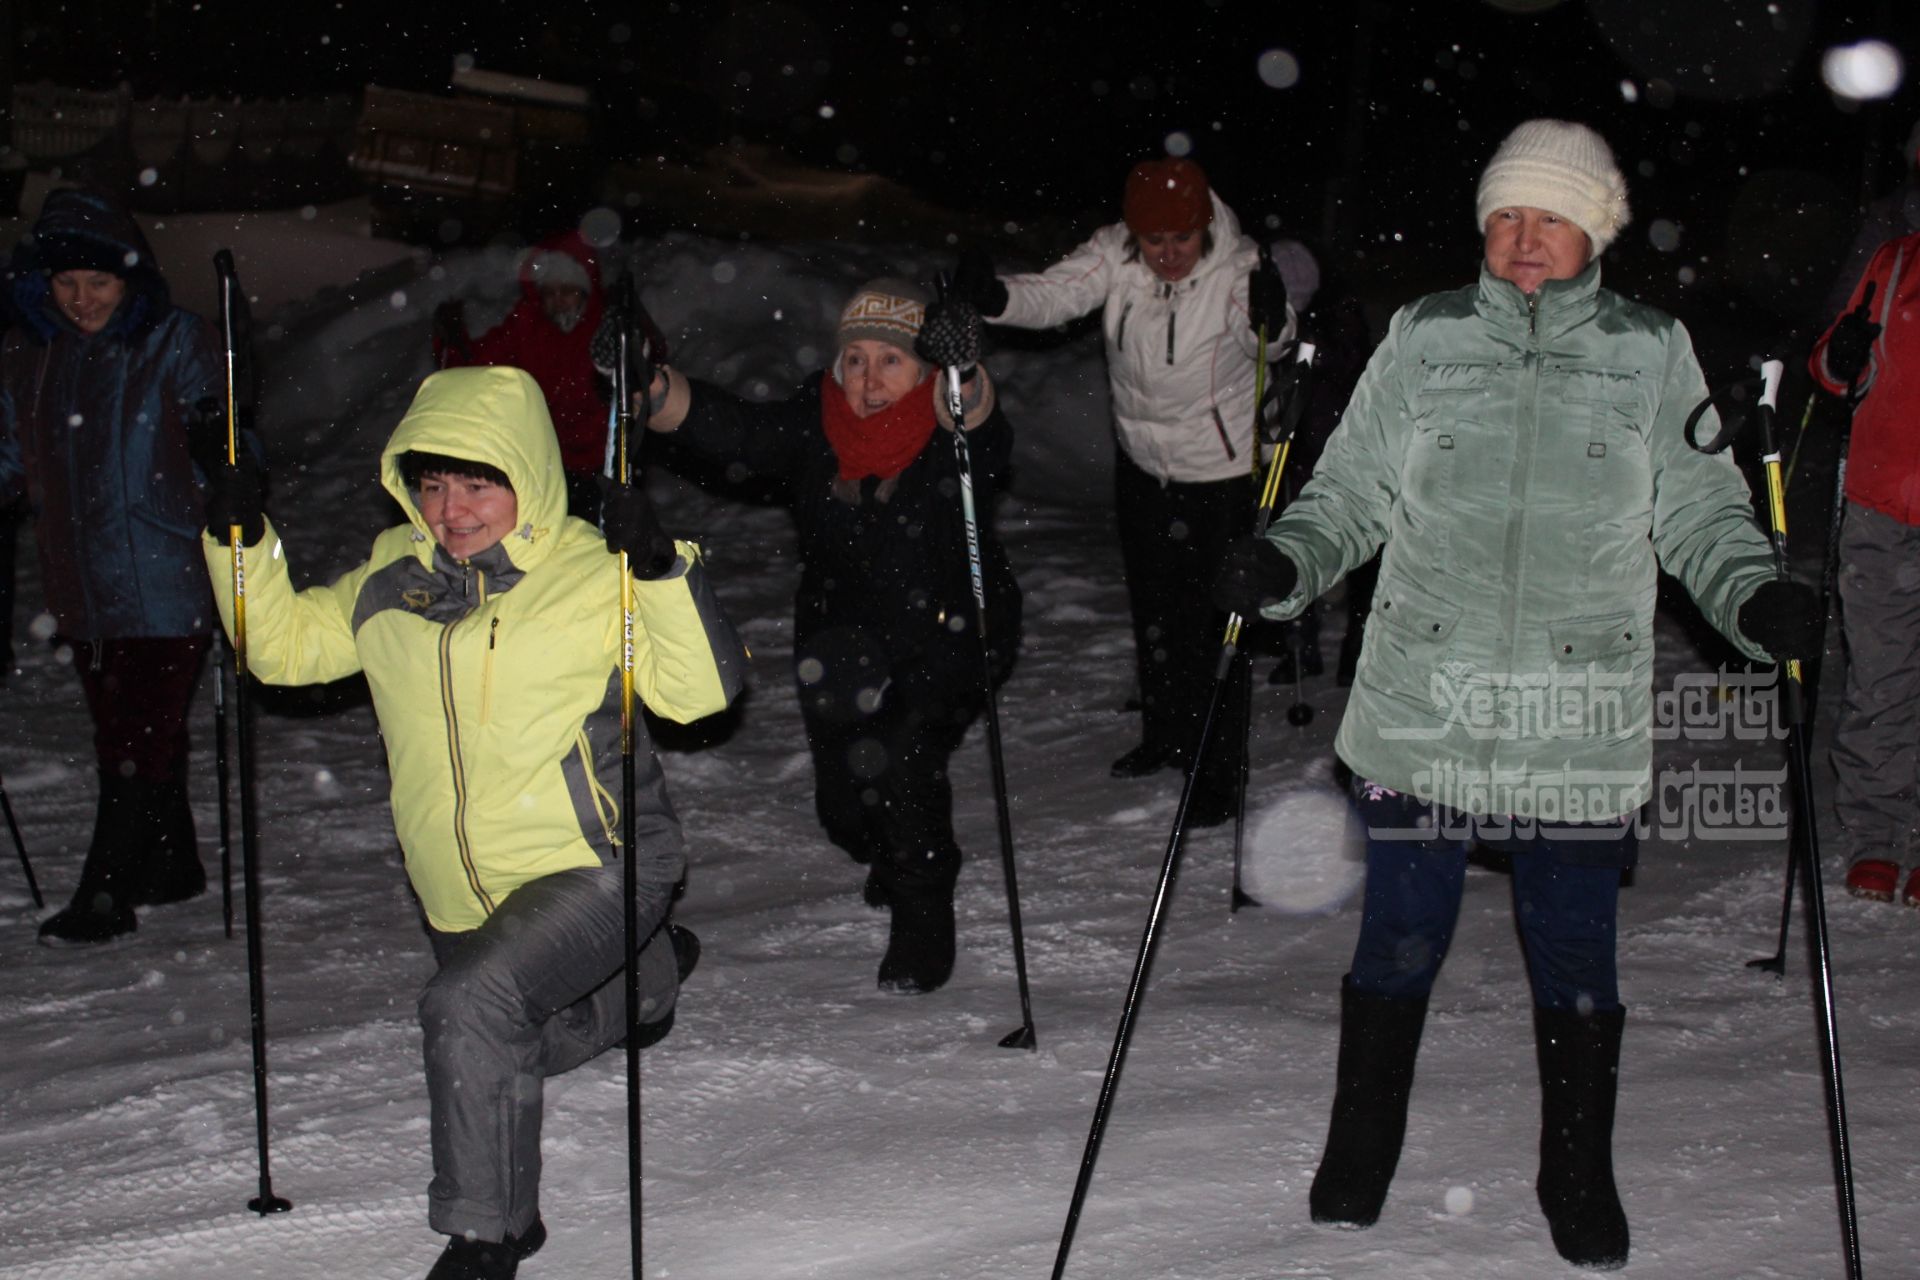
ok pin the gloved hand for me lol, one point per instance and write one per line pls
(450, 327)
(950, 335)
(236, 495)
(207, 435)
(1267, 299)
(1851, 342)
(1253, 574)
(975, 282)
(1784, 618)
(628, 520)
(604, 351)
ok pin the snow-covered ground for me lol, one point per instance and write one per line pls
(798, 1123)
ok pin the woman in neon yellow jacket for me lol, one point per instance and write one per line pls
(489, 631)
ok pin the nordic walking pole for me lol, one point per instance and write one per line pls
(33, 886)
(1240, 898)
(209, 409)
(221, 656)
(622, 447)
(1130, 1007)
(266, 1202)
(1021, 1037)
(1806, 838)
(1829, 587)
(1286, 422)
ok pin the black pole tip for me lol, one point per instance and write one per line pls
(1020, 1038)
(1242, 899)
(1299, 715)
(269, 1203)
(1775, 964)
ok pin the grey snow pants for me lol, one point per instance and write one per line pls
(535, 991)
(1877, 736)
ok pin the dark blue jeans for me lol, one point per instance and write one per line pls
(1416, 869)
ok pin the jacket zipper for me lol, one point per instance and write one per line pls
(486, 673)
(1120, 330)
(455, 760)
(1220, 425)
(1168, 295)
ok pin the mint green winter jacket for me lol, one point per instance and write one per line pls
(1521, 461)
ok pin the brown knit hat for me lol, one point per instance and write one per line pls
(888, 309)
(1166, 195)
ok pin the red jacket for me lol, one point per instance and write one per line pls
(558, 361)
(1883, 460)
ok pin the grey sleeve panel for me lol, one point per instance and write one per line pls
(729, 652)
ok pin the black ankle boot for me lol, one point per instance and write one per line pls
(1579, 1082)
(1379, 1039)
(920, 935)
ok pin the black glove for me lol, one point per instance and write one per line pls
(1851, 342)
(207, 435)
(1253, 574)
(236, 495)
(627, 519)
(950, 335)
(1267, 299)
(450, 327)
(604, 351)
(1784, 618)
(975, 282)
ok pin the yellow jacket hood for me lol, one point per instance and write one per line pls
(496, 415)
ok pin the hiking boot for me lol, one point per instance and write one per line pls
(465, 1259)
(1876, 878)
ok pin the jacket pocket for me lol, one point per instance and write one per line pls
(1603, 639)
(1409, 640)
(1448, 398)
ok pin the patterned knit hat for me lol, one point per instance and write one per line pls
(1562, 167)
(888, 309)
(1166, 195)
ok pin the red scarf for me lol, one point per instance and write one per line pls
(883, 443)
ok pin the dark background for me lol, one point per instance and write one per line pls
(1031, 112)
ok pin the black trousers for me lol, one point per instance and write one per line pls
(1173, 537)
(880, 743)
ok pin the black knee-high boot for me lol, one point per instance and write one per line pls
(101, 907)
(170, 869)
(1579, 1081)
(1379, 1039)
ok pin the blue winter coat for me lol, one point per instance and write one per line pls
(93, 426)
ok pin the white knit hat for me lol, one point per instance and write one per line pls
(1562, 167)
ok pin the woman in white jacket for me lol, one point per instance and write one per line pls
(1185, 298)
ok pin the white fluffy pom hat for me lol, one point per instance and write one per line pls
(1562, 167)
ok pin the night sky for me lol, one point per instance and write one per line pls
(1360, 124)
